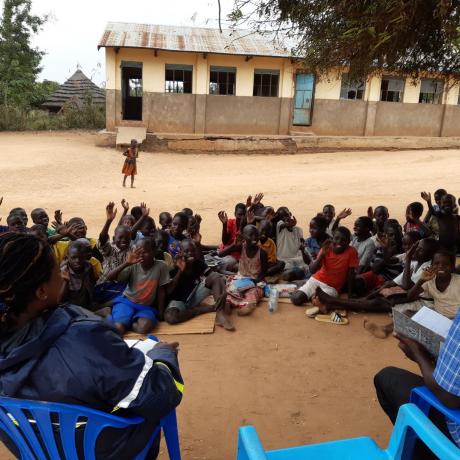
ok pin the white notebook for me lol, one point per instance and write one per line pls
(433, 320)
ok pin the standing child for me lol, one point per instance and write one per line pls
(146, 279)
(252, 266)
(333, 268)
(130, 164)
(363, 243)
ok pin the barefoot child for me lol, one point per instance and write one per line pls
(253, 266)
(191, 282)
(145, 279)
(334, 267)
(130, 164)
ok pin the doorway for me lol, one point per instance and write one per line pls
(131, 84)
(303, 100)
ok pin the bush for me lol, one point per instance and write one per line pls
(88, 116)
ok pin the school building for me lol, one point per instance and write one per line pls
(193, 80)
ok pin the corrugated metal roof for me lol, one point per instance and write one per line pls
(194, 39)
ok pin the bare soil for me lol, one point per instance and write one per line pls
(298, 381)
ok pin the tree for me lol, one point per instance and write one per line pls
(19, 62)
(42, 91)
(410, 37)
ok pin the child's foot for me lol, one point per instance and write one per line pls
(320, 305)
(246, 310)
(132, 186)
(377, 331)
(223, 321)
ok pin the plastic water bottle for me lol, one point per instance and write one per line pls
(273, 300)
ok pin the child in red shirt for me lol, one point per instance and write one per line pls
(335, 265)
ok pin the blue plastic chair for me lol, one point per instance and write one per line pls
(409, 416)
(20, 418)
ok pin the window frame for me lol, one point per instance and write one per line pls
(436, 98)
(401, 93)
(222, 70)
(347, 85)
(259, 87)
(186, 84)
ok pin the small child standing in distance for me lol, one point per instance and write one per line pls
(413, 223)
(448, 221)
(335, 265)
(146, 279)
(130, 164)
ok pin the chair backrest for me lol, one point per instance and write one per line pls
(42, 430)
(410, 416)
(424, 398)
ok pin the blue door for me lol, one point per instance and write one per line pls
(304, 84)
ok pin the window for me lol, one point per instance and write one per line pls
(431, 91)
(135, 87)
(351, 89)
(178, 78)
(266, 83)
(222, 80)
(392, 89)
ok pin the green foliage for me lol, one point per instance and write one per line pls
(19, 62)
(406, 36)
(42, 91)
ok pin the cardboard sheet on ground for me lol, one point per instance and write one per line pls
(203, 324)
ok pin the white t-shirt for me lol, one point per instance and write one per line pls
(415, 272)
(288, 243)
(365, 250)
(446, 303)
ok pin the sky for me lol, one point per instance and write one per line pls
(72, 33)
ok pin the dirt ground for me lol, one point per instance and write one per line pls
(298, 381)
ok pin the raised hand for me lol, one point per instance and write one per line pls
(134, 257)
(145, 211)
(250, 217)
(428, 274)
(65, 229)
(196, 238)
(110, 211)
(426, 196)
(257, 199)
(198, 219)
(223, 217)
(370, 212)
(344, 213)
(410, 253)
(58, 216)
(125, 205)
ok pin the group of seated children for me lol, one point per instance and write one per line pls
(145, 273)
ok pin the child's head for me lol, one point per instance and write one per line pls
(39, 231)
(39, 216)
(443, 263)
(363, 227)
(318, 227)
(393, 231)
(122, 237)
(193, 225)
(179, 224)
(161, 238)
(251, 236)
(283, 213)
(426, 249)
(341, 240)
(147, 252)
(30, 278)
(128, 221)
(81, 230)
(22, 213)
(165, 220)
(438, 195)
(15, 223)
(265, 230)
(329, 213)
(414, 211)
(188, 212)
(267, 211)
(240, 212)
(448, 203)
(76, 256)
(409, 239)
(134, 143)
(188, 251)
(381, 215)
(148, 227)
(86, 247)
(136, 212)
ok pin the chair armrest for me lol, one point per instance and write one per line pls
(424, 398)
(249, 446)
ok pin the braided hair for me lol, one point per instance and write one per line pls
(26, 262)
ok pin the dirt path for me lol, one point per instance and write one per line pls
(296, 380)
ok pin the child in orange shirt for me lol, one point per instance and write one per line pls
(275, 266)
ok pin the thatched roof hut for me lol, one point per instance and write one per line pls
(74, 92)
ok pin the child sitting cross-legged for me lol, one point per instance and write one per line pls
(363, 243)
(191, 282)
(146, 279)
(333, 268)
(243, 292)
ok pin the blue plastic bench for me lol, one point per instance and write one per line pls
(409, 416)
(20, 419)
